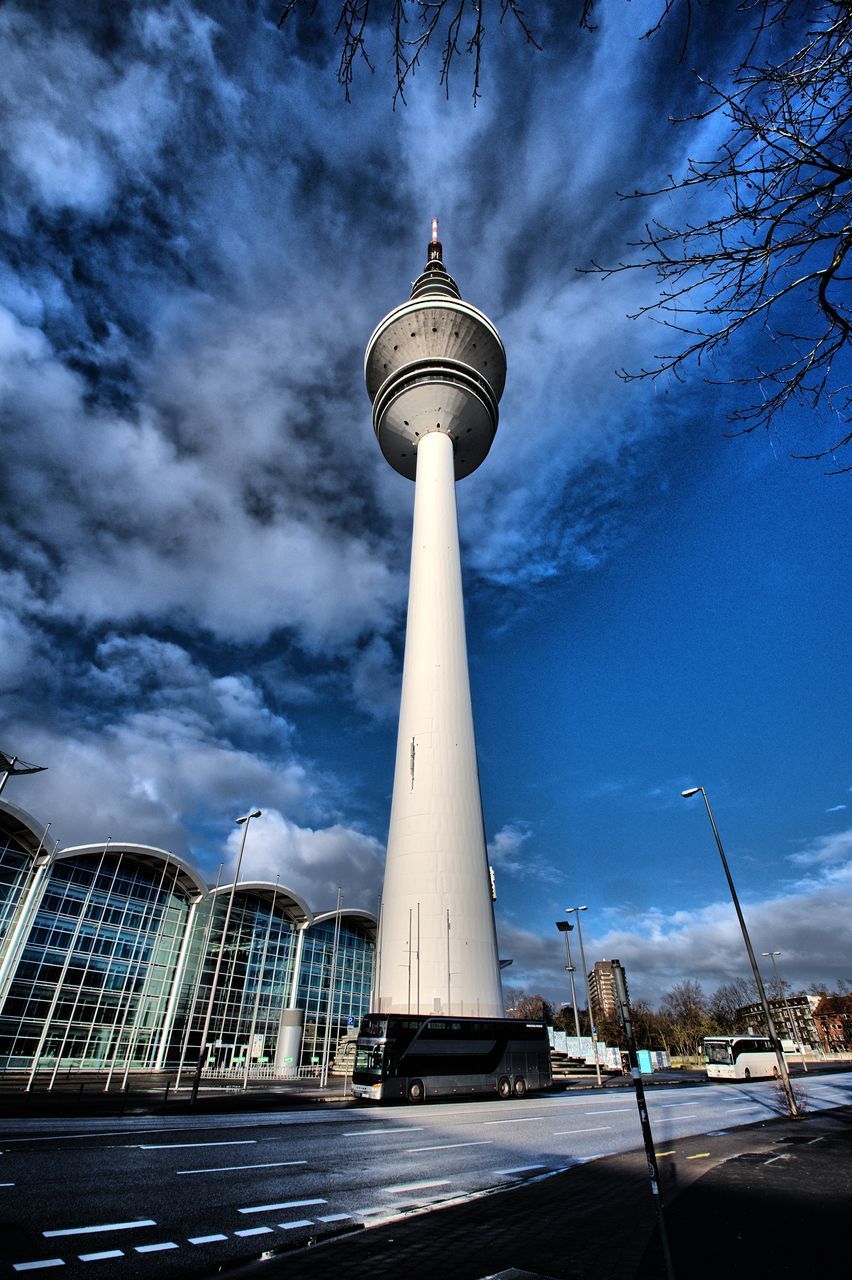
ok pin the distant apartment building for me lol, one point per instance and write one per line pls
(793, 1017)
(602, 990)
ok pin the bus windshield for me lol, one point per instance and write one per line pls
(717, 1051)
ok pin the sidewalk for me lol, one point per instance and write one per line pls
(762, 1200)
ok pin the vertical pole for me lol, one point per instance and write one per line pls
(259, 985)
(449, 975)
(410, 927)
(134, 966)
(140, 1008)
(647, 1137)
(569, 966)
(331, 985)
(418, 959)
(375, 996)
(202, 1050)
(197, 985)
(770, 1025)
(589, 999)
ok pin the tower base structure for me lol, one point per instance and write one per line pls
(437, 946)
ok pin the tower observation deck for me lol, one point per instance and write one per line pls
(435, 370)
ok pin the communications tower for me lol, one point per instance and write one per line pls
(435, 369)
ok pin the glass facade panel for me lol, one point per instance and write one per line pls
(252, 986)
(92, 983)
(352, 985)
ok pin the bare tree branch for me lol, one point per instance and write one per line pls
(772, 252)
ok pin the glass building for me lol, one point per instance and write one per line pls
(241, 1009)
(94, 981)
(115, 958)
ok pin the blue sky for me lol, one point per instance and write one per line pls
(204, 575)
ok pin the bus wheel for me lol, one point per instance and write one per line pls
(520, 1087)
(747, 1074)
(416, 1092)
(504, 1088)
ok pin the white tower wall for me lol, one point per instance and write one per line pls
(437, 943)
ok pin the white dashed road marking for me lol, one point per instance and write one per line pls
(38, 1266)
(449, 1146)
(98, 1257)
(206, 1239)
(104, 1226)
(156, 1248)
(171, 1146)
(300, 1222)
(415, 1186)
(254, 1231)
(230, 1168)
(598, 1128)
(283, 1204)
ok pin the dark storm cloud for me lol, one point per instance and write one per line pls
(198, 236)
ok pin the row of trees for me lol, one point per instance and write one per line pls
(686, 1015)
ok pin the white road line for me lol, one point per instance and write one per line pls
(156, 1248)
(170, 1146)
(98, 1257)
(206, 1239)
(7, 1184)
(229, 1168)
(520, 1120)
(598, 1128)
(607, 1111)
(283, 1204)
(522, 1168)
(415, 1186)
(38, 1266)
(365, 1133)
(104, 1226)
(660, 1105)
(300, 1222)
(335, 1217)
(254, 1231)
(449, 1146)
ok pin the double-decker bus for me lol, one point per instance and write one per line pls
(402, 1056)
(739, 1057)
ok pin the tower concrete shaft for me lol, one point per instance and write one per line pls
(435, 369)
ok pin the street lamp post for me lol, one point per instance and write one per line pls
(565, 928)
(770, 1025)
(576, 911)
(202, 1050)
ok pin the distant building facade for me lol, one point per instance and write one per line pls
(108, 953)
(793, 1017)
(602, 990)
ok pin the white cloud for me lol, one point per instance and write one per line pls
(313, 862)
(811, 924)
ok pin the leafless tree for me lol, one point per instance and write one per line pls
(458, 26)
(773, 253)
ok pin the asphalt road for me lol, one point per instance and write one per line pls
(142, 1197)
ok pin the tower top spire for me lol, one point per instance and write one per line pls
(434, 279)
(435, 250)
